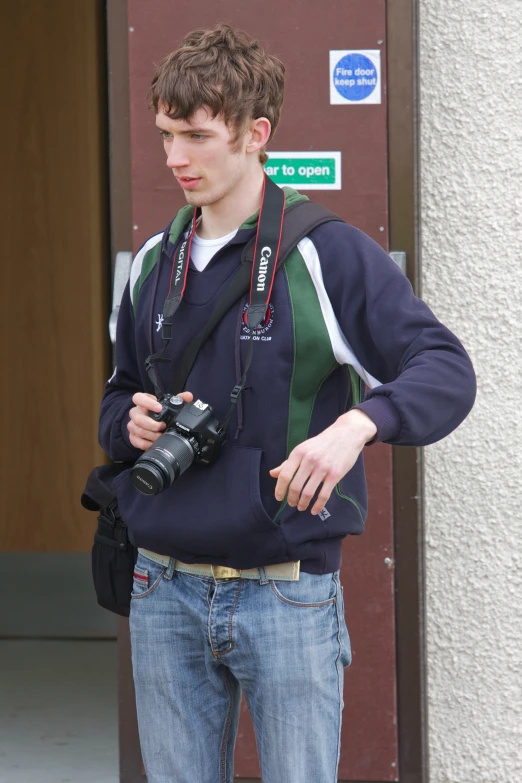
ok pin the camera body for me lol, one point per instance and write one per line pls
(193, 434)
(193, 420)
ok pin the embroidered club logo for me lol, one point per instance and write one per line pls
(260, 333)
(324, 514)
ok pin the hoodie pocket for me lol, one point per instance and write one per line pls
(343, 514)
(349, 516)
(209, 512)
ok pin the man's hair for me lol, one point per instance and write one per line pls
(226, 70)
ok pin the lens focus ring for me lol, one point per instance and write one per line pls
(183, 453)
(164, 462)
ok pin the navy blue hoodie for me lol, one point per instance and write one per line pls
(339, 306)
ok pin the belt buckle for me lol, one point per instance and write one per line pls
(224, 572)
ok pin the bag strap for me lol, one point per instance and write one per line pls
(300, 220)
(99, 493)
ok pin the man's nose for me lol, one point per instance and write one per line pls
(177, 157)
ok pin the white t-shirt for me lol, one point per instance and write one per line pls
(203, 250)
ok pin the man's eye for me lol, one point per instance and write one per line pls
(197, 137)
(166, 135)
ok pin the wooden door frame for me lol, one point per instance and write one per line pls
(402, 27)
(131, 769)
(404, 223)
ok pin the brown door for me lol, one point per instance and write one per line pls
(302, 35)
(54, 268)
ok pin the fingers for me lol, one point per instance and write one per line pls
(149, 402)
(146, 401)
(286, 474)
(144, 431)
(299, 477)
(142, 443)
(324, 495)
(143, 437)
(319, 460)
(309, 490)
(303, 476)
(140, 418)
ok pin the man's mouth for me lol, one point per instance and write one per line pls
(188, 182)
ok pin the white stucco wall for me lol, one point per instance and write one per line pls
(471, 175)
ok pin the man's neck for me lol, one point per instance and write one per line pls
(230, 212)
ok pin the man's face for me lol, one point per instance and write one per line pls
(202, 155)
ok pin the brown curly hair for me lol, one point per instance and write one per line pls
(225, 70)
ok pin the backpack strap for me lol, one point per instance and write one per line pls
(300, 220)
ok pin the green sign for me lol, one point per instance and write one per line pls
(305, 170)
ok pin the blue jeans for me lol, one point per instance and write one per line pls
(198, 642)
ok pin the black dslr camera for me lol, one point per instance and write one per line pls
(193, 434)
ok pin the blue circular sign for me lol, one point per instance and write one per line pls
(355, 77)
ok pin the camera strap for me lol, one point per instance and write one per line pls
(264, 267)
(178, 282)
(178, 276)
(266, 250)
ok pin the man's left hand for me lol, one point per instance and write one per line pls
(324, 459)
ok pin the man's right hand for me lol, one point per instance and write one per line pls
(144, 431)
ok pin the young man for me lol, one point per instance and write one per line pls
(236, 589)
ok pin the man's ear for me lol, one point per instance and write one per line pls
(259, 134)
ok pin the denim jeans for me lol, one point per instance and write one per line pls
(198, 642)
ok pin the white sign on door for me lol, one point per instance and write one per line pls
(355, 76)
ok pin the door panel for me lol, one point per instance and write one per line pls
(54, 269)
(302, 34)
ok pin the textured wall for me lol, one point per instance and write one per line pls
(471, 170)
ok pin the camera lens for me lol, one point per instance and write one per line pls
(162, 463)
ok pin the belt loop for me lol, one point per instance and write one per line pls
(263, 579)
(170, 568)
